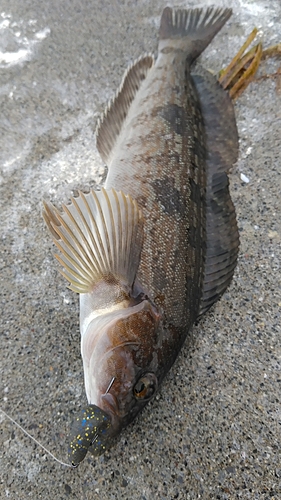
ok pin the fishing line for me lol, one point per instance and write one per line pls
(37, 442)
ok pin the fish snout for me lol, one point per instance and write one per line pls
(109, 404)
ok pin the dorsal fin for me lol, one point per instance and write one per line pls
(222, 238)
(100, 237)
(110, 123)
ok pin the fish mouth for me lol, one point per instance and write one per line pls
(110, 406)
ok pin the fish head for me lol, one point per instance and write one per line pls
(119, 351)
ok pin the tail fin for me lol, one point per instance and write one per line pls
(190, 30)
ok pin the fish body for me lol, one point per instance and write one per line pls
(158, 245)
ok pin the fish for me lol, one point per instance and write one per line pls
(157, 246)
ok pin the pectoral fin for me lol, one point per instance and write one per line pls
(99, 236)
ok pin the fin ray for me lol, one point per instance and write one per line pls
(64, 243)
(98, 257)
(97, 241)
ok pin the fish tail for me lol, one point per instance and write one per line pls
(190, 30)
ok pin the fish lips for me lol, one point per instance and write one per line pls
(110, 407)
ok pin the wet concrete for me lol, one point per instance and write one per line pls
(214, 429)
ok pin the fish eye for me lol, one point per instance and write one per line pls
(145, 387)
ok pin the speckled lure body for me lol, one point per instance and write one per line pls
(88, 430)
(158, 246)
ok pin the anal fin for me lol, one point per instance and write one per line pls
(222, 238)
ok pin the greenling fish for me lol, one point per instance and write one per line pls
(157, 246)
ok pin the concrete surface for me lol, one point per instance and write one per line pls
(213, 432)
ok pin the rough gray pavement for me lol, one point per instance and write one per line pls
(213, 432)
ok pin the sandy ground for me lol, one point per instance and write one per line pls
(213, 432)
